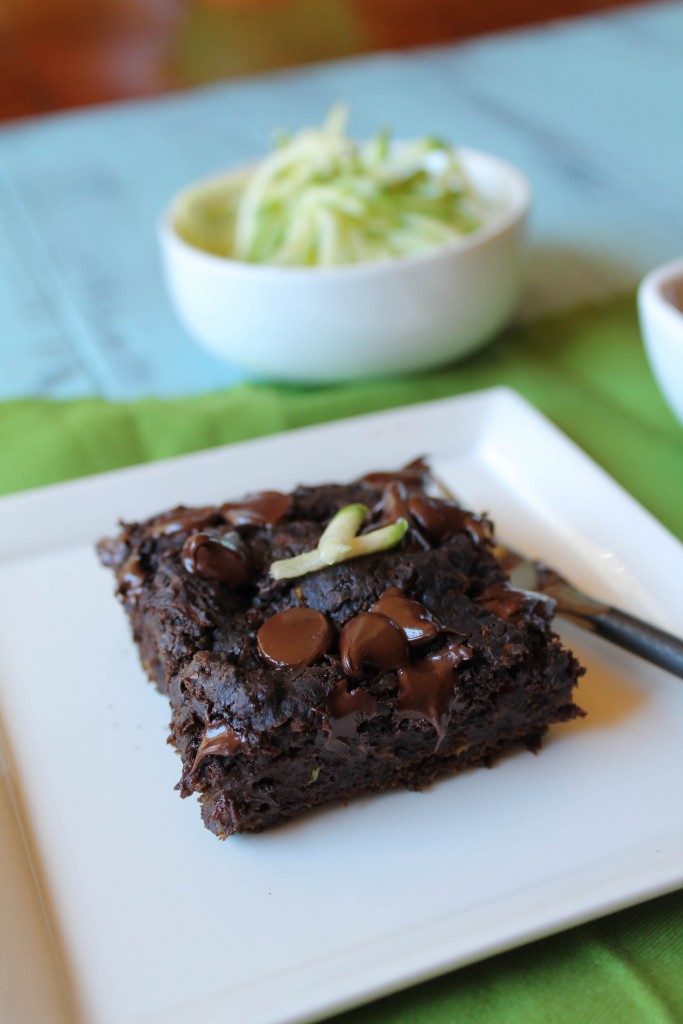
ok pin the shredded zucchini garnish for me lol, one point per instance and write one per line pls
(322, 199)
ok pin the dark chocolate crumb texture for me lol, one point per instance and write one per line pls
(335, 641)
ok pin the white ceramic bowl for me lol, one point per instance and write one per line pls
(660, 307)
(313, 324)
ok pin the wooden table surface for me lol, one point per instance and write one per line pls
(61, 54)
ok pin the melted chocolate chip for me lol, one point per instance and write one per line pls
(427, 687)
(414, 619)
(263, 509)
(131, 578)
(502, 600)
(442, 520)
(220, 740)
(411, 475)
(182, 520)
(391, 506)
(295, 637)
(225, 559)
(371, 641)
(344, 710)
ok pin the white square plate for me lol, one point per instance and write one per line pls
(157, 921)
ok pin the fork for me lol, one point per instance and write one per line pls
(628, 631)
(620, 627)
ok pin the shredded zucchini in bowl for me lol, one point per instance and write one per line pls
(322, 199)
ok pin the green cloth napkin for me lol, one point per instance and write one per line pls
(587, 372)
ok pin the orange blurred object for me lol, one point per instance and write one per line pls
(57, 54)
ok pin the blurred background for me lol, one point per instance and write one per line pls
(61, 54)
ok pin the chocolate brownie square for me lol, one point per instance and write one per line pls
(338, 640)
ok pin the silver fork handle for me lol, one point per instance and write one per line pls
(633, 634)
(627, 631)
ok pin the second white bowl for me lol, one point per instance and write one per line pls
(660, 308)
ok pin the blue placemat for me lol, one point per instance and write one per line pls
(589, 109)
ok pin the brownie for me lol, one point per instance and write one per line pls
(294, 682)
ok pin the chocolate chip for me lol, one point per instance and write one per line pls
(225, 559)
(131, 579)
(414, 619)
(412, 475)
(219, 740)
(371, 641)
(295, 637)
(503, 601)
(183, 519)
(345, 710)
(427, 687)
(262, 509)
(442, 520)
